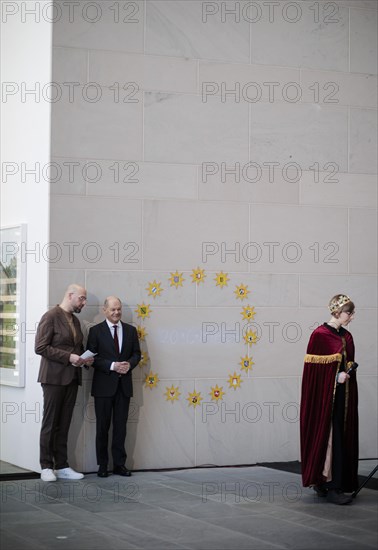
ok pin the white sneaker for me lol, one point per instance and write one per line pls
(48, 475)
(68, 473)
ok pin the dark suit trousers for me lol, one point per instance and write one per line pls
(118, 405)
(58, 406)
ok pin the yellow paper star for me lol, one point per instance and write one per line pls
(151, 380)
(172, 394)
(198, 275)
(250, 337)
(143, 310)
(248, 312)
(176, 279)
(194, 398)
(246, 363)
(235, 380)
(141, 332)
(144, 359)
(216, 393)
(154, 289)
(221, 279)
(241, 292)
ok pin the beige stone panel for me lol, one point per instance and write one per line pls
(363, 41)
(367, 408)
(332, 187)
(96, 124)
(161, 433)
(292, 239)
(339, 88)
(186, 29)
(318, 35)
(254, 423)
(69, 65)
(194, 131)
(364, 330)
(148, 72)
(110, 237)
(263, 290)
(363, 240)
(361, 4)
(188, 235)
(68, 175)
(127, 178)
(317, 290)
(363, 141)
(246, 83)
(301, 133)
(251, 182)
(100, 25)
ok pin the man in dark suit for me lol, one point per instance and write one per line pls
(118, 353)
(59, 341)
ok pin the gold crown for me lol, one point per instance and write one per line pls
(337, 304)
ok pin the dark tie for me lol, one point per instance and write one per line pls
(116, 343)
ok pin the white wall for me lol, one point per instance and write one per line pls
(26, 61)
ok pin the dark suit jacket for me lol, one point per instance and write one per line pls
(100, 341)
(54, 341)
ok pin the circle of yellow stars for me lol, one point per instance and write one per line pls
(176, 280)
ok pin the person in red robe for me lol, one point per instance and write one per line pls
(328, 410)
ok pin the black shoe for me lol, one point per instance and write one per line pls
(121, 471)
(320, 491)
(336, 496)
(102, 471)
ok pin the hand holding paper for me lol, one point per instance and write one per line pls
(87, 358)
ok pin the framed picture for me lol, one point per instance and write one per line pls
(12, 305)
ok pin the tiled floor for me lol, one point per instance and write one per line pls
(220, 508)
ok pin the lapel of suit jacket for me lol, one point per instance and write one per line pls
(107, 334)
(124, 335)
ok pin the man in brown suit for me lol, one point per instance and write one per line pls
(59, 341)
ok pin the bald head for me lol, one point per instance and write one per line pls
(75, 289)
(74, 299)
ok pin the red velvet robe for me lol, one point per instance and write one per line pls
(327, 352)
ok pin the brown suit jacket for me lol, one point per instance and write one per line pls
(55, 342)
